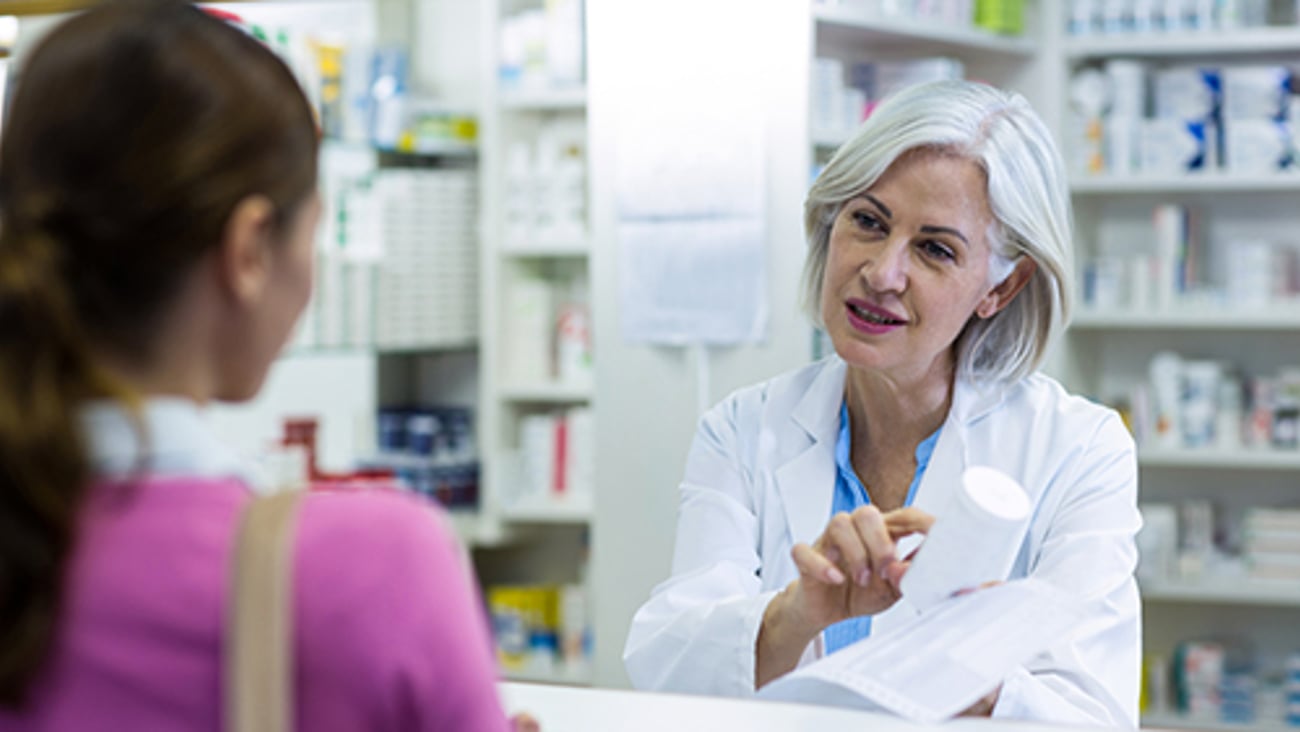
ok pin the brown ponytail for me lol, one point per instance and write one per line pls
(135, 130)
(43, 375)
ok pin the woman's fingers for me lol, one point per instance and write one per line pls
(908, 520)
(812, 563)
(842, 534)
(872, 532)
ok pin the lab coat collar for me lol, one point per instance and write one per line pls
(806, 483)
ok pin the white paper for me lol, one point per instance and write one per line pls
(691, 176)
(942, 662)
(685, 282)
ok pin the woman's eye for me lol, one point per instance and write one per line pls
(867, 221)
(936, 249)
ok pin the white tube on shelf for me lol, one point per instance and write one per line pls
(970, 545)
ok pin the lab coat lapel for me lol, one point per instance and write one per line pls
(938, 488)
(806, 483)
(970, 404)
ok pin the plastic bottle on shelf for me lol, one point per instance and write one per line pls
(573, 338)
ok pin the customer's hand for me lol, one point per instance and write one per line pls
(851, 570)
(524, 722)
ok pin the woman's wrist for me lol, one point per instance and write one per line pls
(782, 637)
(786, 617)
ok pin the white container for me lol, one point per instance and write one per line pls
(1255, 92)
(975, 543)
(1200, 402)
(1174, 146)
(1158, 542)
(1256, 146)
(1166, 374)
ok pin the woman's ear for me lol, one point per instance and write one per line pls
(244, 254)
(1005, 291)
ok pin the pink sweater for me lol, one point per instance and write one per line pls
(389, 632)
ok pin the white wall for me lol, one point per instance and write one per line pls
(646, 396)
(337, 388)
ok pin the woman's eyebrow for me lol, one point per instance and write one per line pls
(883, 208)
(945, 230)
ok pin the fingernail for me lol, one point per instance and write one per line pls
(835, 576)
(864, 576)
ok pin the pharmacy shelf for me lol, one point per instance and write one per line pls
(554, 393)
(1242, 42)
(569, 248)
(549, 511)
(1209, 182)
(1227, 592)
(561, 675)
(858, 27)
(1242, 459)
(466, 525)
(1277, 318)
(546, 100)
(1180, 722)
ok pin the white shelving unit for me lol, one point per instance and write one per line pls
(1218, 43)
(1240, 592)
(547, 393)
(1107, 351)
(1277, 318)
(543, 537)
(541, 100)
(920, 38)
(1182, 722)
(1208, 182)
(550, 511)
(1235, 460)
(575, 248)
(560, 675)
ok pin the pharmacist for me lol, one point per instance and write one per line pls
(939, 265)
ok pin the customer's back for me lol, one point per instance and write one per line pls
(159, 208)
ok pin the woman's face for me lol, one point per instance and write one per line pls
(908, 265)
(270, 316)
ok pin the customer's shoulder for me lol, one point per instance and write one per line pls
(335, 522)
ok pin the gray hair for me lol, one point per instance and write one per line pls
(1000, 133)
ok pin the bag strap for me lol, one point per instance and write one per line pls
(259, 633)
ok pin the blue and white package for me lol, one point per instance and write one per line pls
(1191, 93)
(1256, 92)
(1175, 146)
(1256, 146)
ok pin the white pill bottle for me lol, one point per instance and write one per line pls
(976, 542)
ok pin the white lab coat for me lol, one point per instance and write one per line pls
(760, 478)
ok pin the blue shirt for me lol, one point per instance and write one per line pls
(849, 494)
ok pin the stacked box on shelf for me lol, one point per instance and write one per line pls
(427, 294)
(1272, 544)
(540, 627)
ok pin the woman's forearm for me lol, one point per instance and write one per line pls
(782, 638)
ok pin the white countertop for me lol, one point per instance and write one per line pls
(570, 709)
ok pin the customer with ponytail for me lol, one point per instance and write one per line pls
(157, 213)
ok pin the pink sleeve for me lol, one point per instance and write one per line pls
(397, 619)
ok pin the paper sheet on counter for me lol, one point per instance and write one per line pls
(942, 662)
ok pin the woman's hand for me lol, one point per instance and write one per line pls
(851, 570)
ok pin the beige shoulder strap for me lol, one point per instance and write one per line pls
(259, 631)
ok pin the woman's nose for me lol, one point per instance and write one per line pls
(886, 269)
